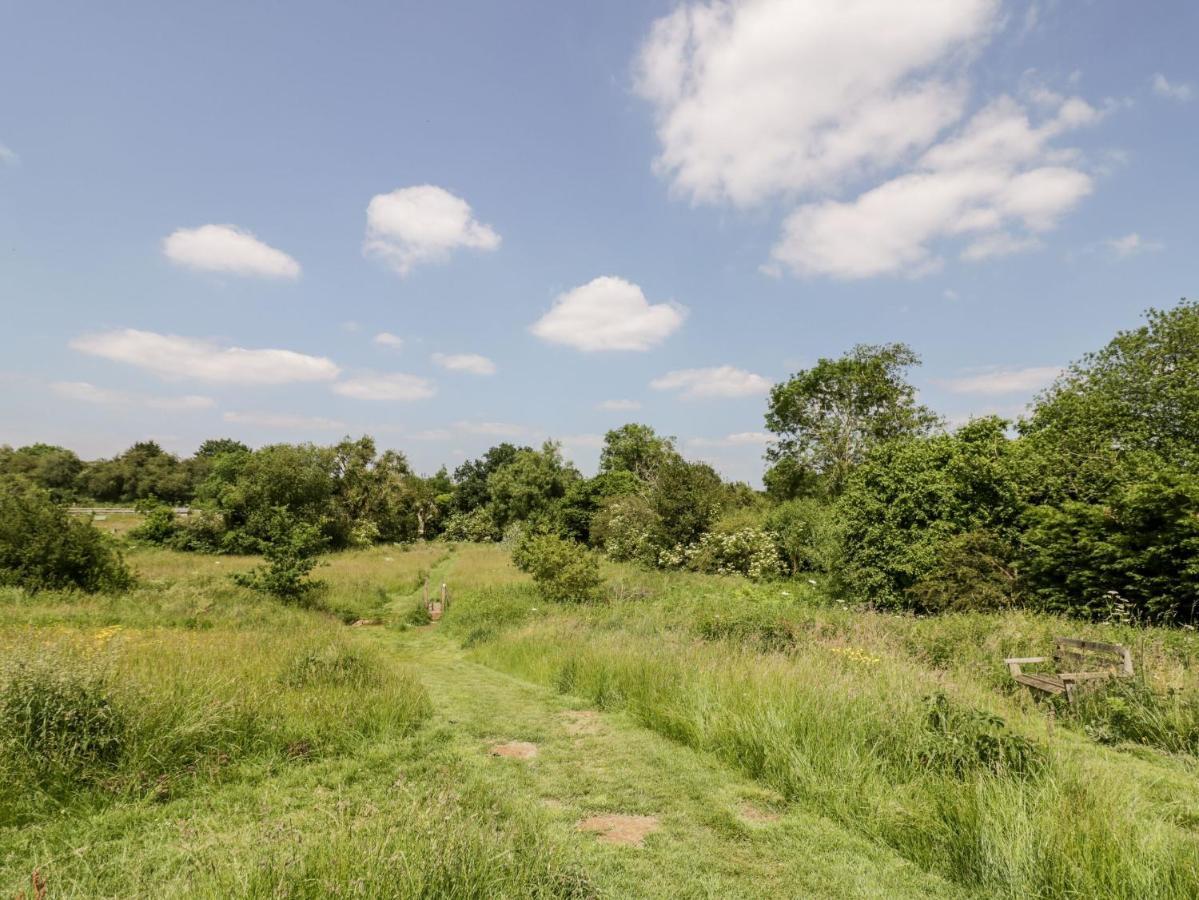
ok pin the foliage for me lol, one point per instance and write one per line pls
(470, 478)
(476, 525)
(830, 416)
(911, 497)
(1125, 710)
(961, 741)
(624, 528)
(1138, 397)
(751, 552)
(529, 484)
(805, 534)
(56, 469)
(1139, 549)
(636, 449)
(972, 570)
(563, 570)
(686, 498)
(290, 557)
(143, 471)
(159, 525)
(43, 548)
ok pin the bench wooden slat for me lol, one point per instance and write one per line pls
(1049, 683)
(1090, 645)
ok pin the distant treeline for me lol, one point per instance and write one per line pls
(1089, 504)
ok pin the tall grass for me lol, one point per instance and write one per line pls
(943, 769)
(88, 716)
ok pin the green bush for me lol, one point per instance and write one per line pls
(1138, 551)
(158, 526)
(290, 557)
(912, 499)
(43, 548)
(805, 535)
(563, 570)
(477, 526)
(751, 552)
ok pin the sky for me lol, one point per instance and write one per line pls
(447, 225)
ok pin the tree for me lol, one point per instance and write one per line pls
(56, 469)
(830, 416)
(470, 478)
(685, 498)
(529, 484)
(635, 448)
(1134, 405)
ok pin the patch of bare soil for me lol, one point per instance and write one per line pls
(581, 721)
(515, 750)
(630, 831)
(752, 813)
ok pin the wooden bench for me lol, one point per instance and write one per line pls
(1077, 663)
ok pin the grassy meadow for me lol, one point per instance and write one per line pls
(192, 738)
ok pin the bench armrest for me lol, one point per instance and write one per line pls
(1016, 662)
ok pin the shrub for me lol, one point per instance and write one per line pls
(562, 570)
(805, 535)
(1138, 550)
(624, 529)
(43, 548)
(1126, 710)
(290, 557)
(961, 741)
(159, 526)
(973, 570)
(751, 552)
(909, 498)
(477, 526)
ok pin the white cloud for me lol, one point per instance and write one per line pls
(283, 420)
(431, 434)
(492, 429)
(8, 157)
(227, 248)
(997, 183)
(738, 439)
(465, 362)
(1130, 245)
(393, 386)
(608, 313)
(387, 339)
(1003, 381)
(174, 357)
(618, 405)
(85, 392)
(422, 224)
(1174, 90)
(763, 97)
(720, 381)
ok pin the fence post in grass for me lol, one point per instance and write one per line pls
(443, 598)
(426, 594)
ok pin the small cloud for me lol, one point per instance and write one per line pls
(618, 405)
(608, 313)
(394, 386)
(85, 392)
(227, 248)
(431, 434)
(283, 420)
(719, 381)
(1174, 90)
(1130, 245)
(997, 245)
(173, 357)
(8, 157)
(1003, 381)
(350, 326)
(422, 224)
(387, 339)
(738, 439)
(950, 294)
(465, 362)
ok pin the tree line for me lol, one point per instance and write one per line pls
(1088, 504)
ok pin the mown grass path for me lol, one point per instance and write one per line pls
(717, 835)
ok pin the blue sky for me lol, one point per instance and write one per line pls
(570, 215)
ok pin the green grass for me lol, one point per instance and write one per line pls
(193, 739)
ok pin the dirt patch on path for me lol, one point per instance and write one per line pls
(617, 829)
(756, 814)
(581, 721)
(515, 750)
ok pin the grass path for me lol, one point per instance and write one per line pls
(716, 835)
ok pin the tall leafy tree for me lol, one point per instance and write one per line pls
(827, 418)
(635, 448)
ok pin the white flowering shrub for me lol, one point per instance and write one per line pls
(478, 525)
(752, 552)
